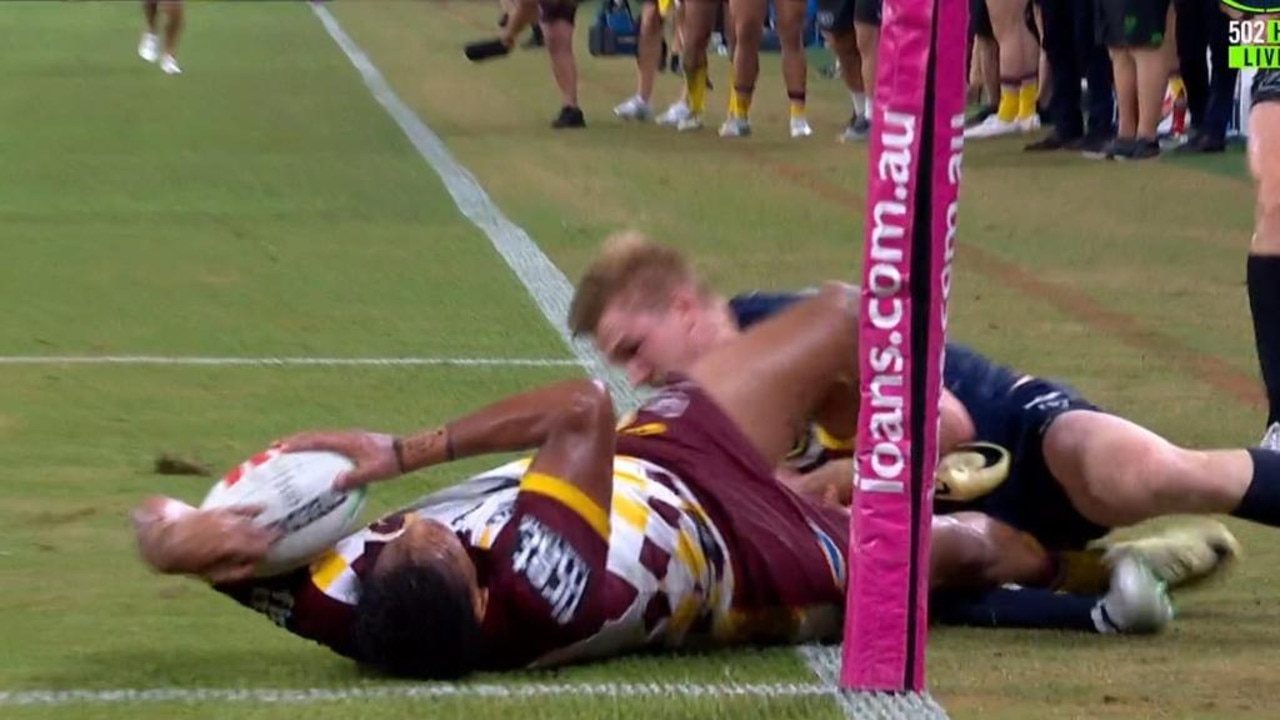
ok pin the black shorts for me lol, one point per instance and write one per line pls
(867, 12)
(553, 10)
(980, 20)
(836, 16)
(1266, 86)
(1132, 23)
(1031, 499)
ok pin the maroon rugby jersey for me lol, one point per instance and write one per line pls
(787, 553)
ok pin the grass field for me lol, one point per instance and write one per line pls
(264, 205)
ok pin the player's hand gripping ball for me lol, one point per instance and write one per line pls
(299, 500)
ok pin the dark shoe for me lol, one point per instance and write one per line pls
(1201, 143)
(1141, 149)
(569, 117)
(1094, 147)
(858, 129)
(1054, 141)
(486, 49)
(1112, 149)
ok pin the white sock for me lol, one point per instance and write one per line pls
(859, 103)
(869, 111)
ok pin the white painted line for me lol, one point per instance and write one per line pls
(545, 282)
(18, 698)
(282, 361)
(825, 661)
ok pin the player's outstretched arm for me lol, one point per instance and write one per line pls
(521, 422)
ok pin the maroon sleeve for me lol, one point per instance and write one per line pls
(295, 603)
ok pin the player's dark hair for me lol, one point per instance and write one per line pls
(417, 620)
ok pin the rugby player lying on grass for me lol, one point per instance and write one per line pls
(1074, 472)
(670, 531)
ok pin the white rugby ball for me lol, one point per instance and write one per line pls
(296, 491)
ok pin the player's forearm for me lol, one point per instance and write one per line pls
(520, 422)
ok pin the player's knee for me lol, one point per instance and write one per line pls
(1266, 238)
(1269, 195)
(746, 39)
(1112, 505)
(1182, 481)
(559, 35)
(694, 54)
(1126, 492)
(791, 39)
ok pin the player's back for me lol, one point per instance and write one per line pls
(786, 554)
(563, 588)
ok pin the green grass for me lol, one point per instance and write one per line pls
(264, 205)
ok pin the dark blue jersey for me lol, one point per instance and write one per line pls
(1008, 409)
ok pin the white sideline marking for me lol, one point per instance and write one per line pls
(544, 281)
(18, 698)
(284, 361)
(825, 662)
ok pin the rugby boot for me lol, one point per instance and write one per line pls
(1136, 603)
(1184, 555)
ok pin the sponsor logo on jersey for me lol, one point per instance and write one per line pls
(554, 569)
(1054, 400)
